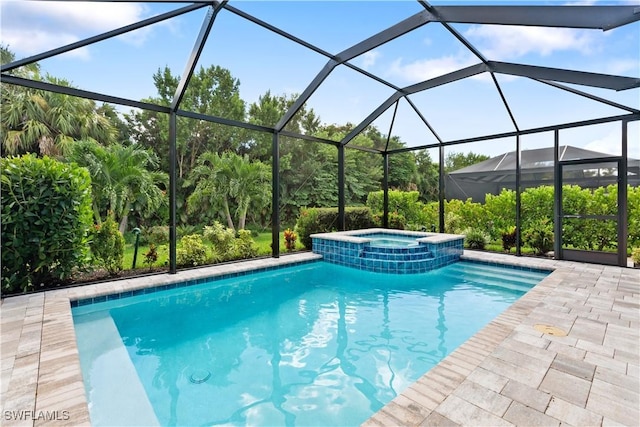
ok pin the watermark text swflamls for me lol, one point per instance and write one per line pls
(29, 415)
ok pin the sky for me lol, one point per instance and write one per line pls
(262, 61)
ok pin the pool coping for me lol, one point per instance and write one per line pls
(359, 236)
(508, 373)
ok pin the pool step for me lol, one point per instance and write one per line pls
(491, 271)
(491, 282)
(417, 249)
(518, 280)
(396, 257)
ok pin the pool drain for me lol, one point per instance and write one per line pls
(549, 330)
(200, 376)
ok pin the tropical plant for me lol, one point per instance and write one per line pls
(123, 179)
(46, 218)
(107, 246)
(475, 239)
(44, 122)
(509, 238)
(151, 256)
(290, 238)
(227, 183)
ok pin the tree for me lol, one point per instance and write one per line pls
(211, 91)
(267, 112)
(228, 183)
(428, 176)
(45, 122)
(123, 179)
(454, 161)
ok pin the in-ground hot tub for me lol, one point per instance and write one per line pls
(389, 251)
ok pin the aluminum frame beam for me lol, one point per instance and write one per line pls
(418, 87)
(189, 68)
(80, 93)
(100, 37)
(589, 96)
(629, 117)
(415, 21)
(591, 17)
(605, 81)
(479, 55)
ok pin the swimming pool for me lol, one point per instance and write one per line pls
(317, 343)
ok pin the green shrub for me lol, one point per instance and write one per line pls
(357, 218)
(46, 218)
(158, 235)
(635, 256)
(539, 236)
(500, 212)
(475, 239)
(245, 246)
(405, 203)
(223, 240)
(397, 221)
(324, 220)
(190, 251)
(107, 246)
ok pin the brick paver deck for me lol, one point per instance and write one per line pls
(566, 353)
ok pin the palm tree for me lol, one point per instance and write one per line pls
(45, 122)
(121, 179)
(227, 180)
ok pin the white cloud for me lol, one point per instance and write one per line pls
(425, 69)
(610, 144)
(29, 41)
(621, 66)
(509, 42)
(369, 58)
(33, 27)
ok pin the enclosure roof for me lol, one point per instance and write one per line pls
(484, 63)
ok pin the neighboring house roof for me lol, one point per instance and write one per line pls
(540, 158)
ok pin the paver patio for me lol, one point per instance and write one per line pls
(566, 353)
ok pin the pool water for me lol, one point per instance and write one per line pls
(391, 240)
(314, 344)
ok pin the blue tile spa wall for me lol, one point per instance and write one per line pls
(399, 260)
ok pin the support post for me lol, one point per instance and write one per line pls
(275, 196)
(623, 220)
(518, 199)
(441, 189)
(173, 188)
(557, 197)
(341, 197)
(385, 190)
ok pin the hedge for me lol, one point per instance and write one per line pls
(324, 220)
(46, 218)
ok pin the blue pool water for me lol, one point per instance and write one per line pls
(313, 344)
(391, 240)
